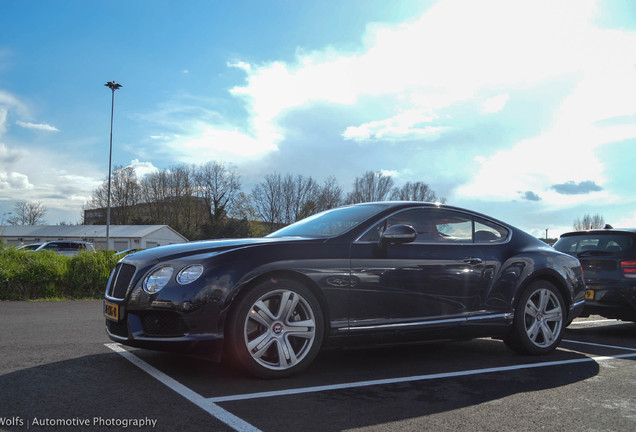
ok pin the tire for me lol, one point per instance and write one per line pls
(275, 330)
(539, 320)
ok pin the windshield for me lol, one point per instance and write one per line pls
(330, 223)
(31, 246)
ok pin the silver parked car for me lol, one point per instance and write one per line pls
(67, 247)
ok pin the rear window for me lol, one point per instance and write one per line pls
(592, 243)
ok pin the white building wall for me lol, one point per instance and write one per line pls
(135, 237)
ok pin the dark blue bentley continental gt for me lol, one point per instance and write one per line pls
(387, 271)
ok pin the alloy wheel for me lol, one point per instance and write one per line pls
(279, 329)
(543, 318)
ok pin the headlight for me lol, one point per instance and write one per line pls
(158, 279)
(189, 274)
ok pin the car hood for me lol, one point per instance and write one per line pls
(180, 250)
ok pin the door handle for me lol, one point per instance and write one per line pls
(472, 260)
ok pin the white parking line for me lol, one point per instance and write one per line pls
(599, 345)
(603, 321)
(410, 379)
(203, 403)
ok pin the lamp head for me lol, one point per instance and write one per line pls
(113, 85)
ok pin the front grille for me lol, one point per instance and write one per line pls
(117, 328)
(163, 324)
(119, 283)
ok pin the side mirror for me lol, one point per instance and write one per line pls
(398, 234)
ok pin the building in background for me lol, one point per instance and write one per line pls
(159, 212)
(122, 237)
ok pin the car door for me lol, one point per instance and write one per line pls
(438, 279)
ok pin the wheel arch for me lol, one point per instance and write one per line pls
(548, 276)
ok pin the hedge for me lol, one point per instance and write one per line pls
(29, 275)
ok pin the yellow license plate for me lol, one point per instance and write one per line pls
(589, 294)
(111, 310)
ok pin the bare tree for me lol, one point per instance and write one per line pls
(170, 197)
(589, 222)
(185, 215)
(372, 186)
(218, 186)
(125, 194)
(266, 199)
(155, 192)
(300, 195)
(330, 195)
(243, 208)
(27, 213)
(417, 191)
(280, 200)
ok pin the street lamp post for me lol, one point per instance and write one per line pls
(113, 86)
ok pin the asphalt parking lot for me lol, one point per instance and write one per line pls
(59, 371)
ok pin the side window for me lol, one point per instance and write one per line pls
(488, 232)
(454, 227)
(431, 225)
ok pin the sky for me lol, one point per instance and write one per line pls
(522, 110)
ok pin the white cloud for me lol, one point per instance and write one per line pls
(3, 120)
(37, 126)
(165, 137)
(218, 142)
(9, 101)
(556, 157)
(601, 73)
(450, 54)
(401, 127)
(8, 155)
(14, 180)
(495, 103)
(390, 173)
(143, 168)
(626, 222)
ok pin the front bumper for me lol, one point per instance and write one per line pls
(160, 330)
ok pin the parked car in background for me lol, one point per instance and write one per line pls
(608, 257)
(372, 273)
(66, 247)
(31, 246)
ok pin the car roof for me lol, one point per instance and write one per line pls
(68, 241)
(601, 231)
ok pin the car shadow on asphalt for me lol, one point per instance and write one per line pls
(98, 387)
(382, 403)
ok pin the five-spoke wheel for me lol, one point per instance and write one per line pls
(539, 319)
(276, 329)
